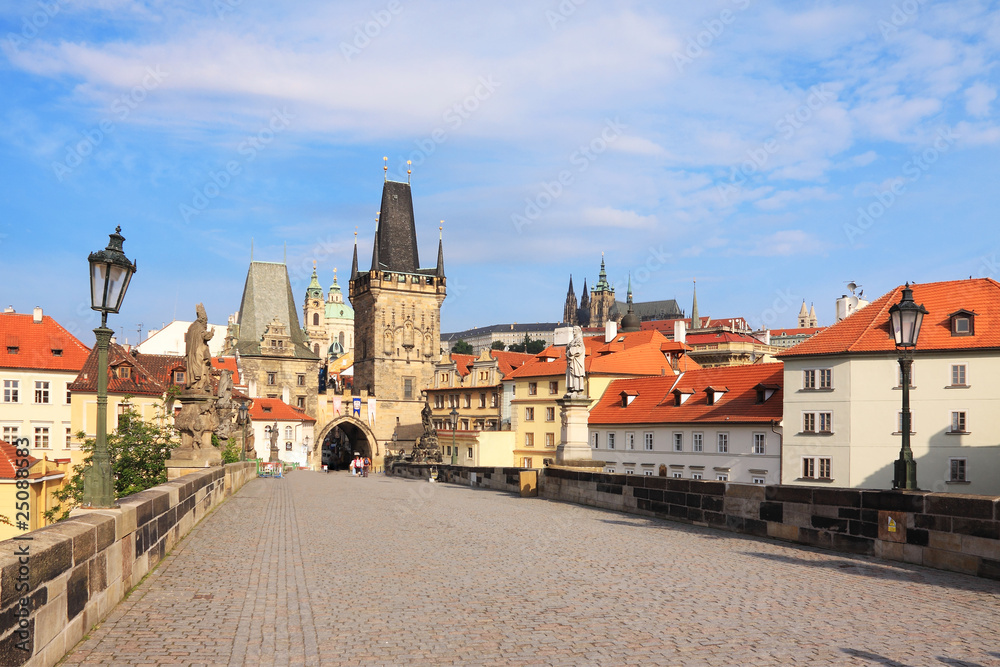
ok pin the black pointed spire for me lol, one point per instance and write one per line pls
(354, 264)
(440, 265)
(396, 238)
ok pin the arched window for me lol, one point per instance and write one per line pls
(267, 432)
(315, 319)
(288, 433)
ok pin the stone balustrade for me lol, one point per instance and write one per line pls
(58, 582)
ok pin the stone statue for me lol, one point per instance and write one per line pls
(199, 358)
(576, 373)
(274, 436)
(425, 418)
(225, 406)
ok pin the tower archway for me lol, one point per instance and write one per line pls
(341, 440)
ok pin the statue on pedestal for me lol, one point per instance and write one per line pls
(199, 417)
(576, 354)
(199, 358)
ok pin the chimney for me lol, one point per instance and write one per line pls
(680, 331)
(36, 316)
(610, 331)
(9, 309)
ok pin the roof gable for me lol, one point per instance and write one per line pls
(44, 345)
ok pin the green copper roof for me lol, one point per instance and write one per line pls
(314, 291)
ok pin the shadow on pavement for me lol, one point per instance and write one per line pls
(873, 657)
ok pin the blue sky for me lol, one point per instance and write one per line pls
(773, 151)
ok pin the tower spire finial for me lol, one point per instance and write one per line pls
(441, 230)
(408, 170)
(385, 168)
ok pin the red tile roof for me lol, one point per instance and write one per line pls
(721, 337)
(8, 461)
(667, 326)
(150, 374)
(274, 409)
(509, 361)
(654, 400)
(227, 364)
(463, 363)
(632, 353)
(867, 329)
(35, 344)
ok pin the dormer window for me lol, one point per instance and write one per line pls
(178, 377)
(13, 349)
(715, 394)
(681, 395)
(628, 397)
(56, 353)
(123, 372)
(267, 409)
(765, 391)
(963, 323)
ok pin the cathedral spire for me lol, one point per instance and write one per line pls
(314, 291)
(354, 264)
(570, 309)
(440, 265)
(631, 321)
(695, 321)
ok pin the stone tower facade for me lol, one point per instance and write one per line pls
(313, 311)
(397, 325)
(602, 300)
(570, 309)
(329, 321)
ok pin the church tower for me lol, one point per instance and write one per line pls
(569, 310)
(397, 306)
(312, 317)
(583, 312)
(803, 316)
(602, 299)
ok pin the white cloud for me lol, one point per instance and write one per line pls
(978, 98)
(610, 217)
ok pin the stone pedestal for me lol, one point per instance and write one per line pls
(573, 446)
(196, 422)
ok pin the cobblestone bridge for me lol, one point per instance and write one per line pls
(326, 569)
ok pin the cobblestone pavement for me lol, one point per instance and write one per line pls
(333, 570)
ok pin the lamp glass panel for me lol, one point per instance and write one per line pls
(117, 280)
(98, 275)
(909, 319)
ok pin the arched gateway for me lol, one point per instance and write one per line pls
(339, 440)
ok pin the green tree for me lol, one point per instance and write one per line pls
(231, 452)
(536, 346)
(498, 345)
(139, 451)
(461, 347)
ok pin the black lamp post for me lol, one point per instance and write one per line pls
(243, 419)
(905, 319)
(454, 426)
(110, 273)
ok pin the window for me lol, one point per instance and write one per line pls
(452, 400)
(439, 401)
(630, 440)
(678, 442)
(407, 388)
(469, 453)
(532, 389)
(722, 477)
(809, 422)
(611, 440)
(676, 474)
(13, 349)
(448, 451)
(69, 394)
(957, 467)
(529, 439)
(647, 439)
(647, 473)
(594, 440)
(178, 377)
(723, 441)
(958, 375)
(482, 399)
(809, 379)
(826, 422)
(758, 480)
(610, 471)
(550, 439)
(69, 438)
(826, 378)
(468, 400)
(124, 372)
(288, 433)
(550, 414)
(41, 392)
(811, 465)
(271, 378)
(10, 391)
(697, 440)
(300, 402)
(494, 400)
(464, 425)
(554, 387)
(759, 443)
(288, 446)
(529, 414)
(42, 437)
(300, 380)
(696, 475)
(526, 462)
(11, 433)
(315, 319)
(958, 424)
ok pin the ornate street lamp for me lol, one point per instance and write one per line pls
(243, 419)
(454, 426)
(905, 319)
(110, 274)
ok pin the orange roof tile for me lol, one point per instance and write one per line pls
(654, 401)
(463, 363)
(227, 364)
(274, 409)
(35, 344)
(509, 361)
(867, 329)
(8, 461)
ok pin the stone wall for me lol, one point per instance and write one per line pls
(76, 571)
(947, 531)
(498, 479)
